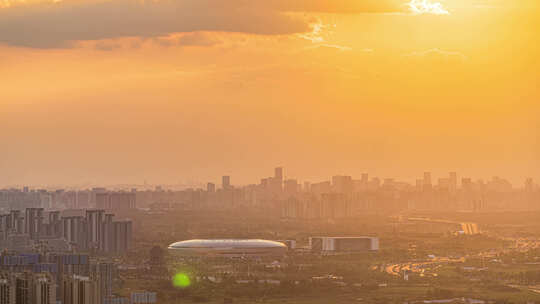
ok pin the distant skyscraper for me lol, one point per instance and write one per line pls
(427, 181)
(365, 178)
(453, 181)
(210, 187)
(278, 173)
(529, 185)
(226, 182)
(427, 178)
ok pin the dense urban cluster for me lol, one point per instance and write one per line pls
(52, 253)
(345, 235)
(344, 196)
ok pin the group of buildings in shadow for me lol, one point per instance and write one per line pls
(92, 230)
(49, 256)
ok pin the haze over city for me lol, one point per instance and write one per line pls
(269, 151)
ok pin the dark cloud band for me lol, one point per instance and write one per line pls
(57, 25)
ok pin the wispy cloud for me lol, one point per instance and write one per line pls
(438, 54)
(316, 34)
(427, 7)
(330, 46)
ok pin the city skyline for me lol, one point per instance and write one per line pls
(111, 175)
(229, 182)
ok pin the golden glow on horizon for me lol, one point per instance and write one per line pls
(449, 85)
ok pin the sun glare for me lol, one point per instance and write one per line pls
(427, 7)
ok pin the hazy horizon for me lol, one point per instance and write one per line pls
(240, 181)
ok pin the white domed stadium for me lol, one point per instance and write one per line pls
(228, 248)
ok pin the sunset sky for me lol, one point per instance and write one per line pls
(122, 91)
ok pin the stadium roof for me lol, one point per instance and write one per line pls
(226, 244)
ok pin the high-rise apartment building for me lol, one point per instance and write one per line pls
(27, 288)
(54, 224)
(33, 221)
(116, 235)
(17, 221)
(94, 220)
(7, 289)
(104, 272)
(80, 290)
(73, 230)
(43, 289)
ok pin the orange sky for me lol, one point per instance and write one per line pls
(114, 91)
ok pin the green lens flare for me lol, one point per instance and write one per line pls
(181, 280)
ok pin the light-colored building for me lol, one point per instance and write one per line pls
(344, 244)
(228, 248)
